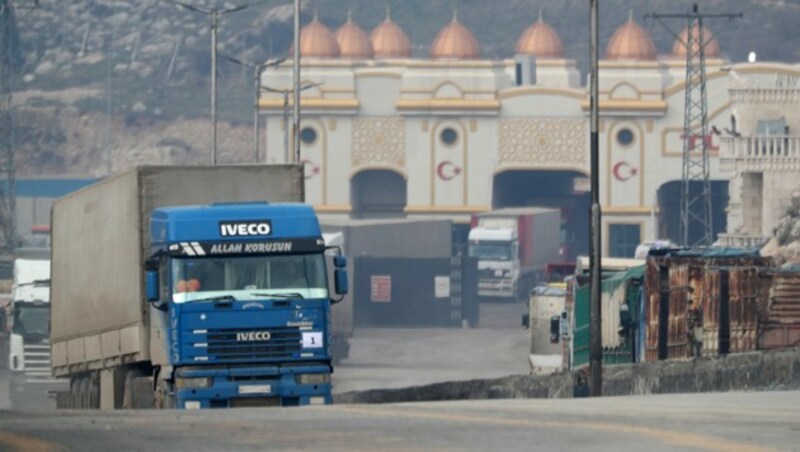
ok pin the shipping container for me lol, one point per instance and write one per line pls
(621, 300)
(385, 238)
(415, 292)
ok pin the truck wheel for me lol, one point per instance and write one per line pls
(163, 397)
(127, 389)
(93, 391)
(80, 393)
(72, 403)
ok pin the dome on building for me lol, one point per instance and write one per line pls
(540, 40)
(389, 40)
(712, 46)
(455, 41)
(317, 41)
(631, 42)
(353, 42)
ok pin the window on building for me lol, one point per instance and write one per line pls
(449, 136)
(768, 127)
(625, 137)
(623, 239)
(308, 135)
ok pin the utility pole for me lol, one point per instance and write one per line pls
(695, 207)
(296, 74)
(595, 266)
(214, 14)
(286, 130)
(258, 69)
(10, 62)
(109, 69)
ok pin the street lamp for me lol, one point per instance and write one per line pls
(214, 13)
(258, 69)
(285, 93)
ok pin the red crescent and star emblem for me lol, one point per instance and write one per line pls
(446, 170)
(310, 169)
(624, 171)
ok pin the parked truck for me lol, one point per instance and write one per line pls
(513, 247)
(183, 287)
(30, 381)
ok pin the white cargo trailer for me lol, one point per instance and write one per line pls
(101, 329)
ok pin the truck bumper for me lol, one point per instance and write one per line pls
(252, 387)
(38, 394)
(497, 288)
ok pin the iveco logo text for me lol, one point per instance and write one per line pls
(245, 228)
(253, 336)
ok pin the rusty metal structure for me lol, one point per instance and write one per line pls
(733, 299)
(728, 289)
(780, 323)
(743, 303)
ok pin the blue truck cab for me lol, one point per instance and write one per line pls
(244, 294)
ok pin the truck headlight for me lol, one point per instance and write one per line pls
(312, 379)
(190, 383)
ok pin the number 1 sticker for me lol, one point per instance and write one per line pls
(312, 340)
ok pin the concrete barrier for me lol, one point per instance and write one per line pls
(770, 370)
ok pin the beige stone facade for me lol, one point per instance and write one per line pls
(763, 158)
(460, 136)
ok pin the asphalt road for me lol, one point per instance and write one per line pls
(401, 357)
(730, 422)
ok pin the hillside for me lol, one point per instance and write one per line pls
(130, 78)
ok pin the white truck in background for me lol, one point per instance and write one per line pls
(31, 380)
(513, 247)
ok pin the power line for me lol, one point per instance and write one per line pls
(286, 130)
(214, 15)
(258, 69)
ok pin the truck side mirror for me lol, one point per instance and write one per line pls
(555, 329)
(339, 261)
(340, 281)
(151, 281)
(151, 286)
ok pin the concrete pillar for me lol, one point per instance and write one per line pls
(752, 203)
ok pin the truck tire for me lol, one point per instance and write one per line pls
(81, 388)
(93, 391)
(72, 402)
(164, 397)
(127, 389)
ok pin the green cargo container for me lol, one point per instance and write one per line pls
(618, 288)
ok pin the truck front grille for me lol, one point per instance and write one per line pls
(37, 363)
(226, 345)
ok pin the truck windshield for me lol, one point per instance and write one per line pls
(247, 278)
(490, 250)
(31, 320)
